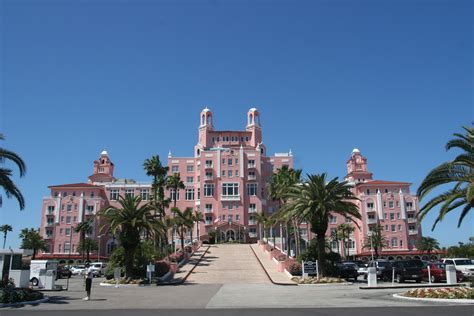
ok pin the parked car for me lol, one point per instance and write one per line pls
(348, 270)
(382, 266)
(463, 265)
(63, 272)
(438, 272)
(406, 270)
(99, 268)
(77, 270)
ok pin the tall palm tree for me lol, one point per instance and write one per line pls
(155, 169)
(127, 222)
(198, 217)
(280, 184)
(315, 200)
(376, 241)
(336, 237)
(87, 245)
(460, 172)
(31, 239)
(5, 229)
(83, 228)
(11, 190)
(174, 183)
(261, 220)
(427, 244)
(184, 221)
(345, 231)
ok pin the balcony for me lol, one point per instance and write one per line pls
(208, 178)
(372, 209)
(208, 211)
(369, 233)
(411, 220)
(48, 236)
(252, 210)
(251, 177)
(230, 197)
(371, 221)
(208, 165)
(251, 165)
(49, 224)
(50, 212)
(198, 202)
(208, 222)
(252, 222)
(412, 232)
(252, 235)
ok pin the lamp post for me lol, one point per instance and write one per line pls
(69, 255)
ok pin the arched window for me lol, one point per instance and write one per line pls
(203, 119)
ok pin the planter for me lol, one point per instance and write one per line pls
(281, 266)
(173, 267)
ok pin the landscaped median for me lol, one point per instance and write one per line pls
(461, 295)
(10, 296)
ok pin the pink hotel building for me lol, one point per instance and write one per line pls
(227, 180)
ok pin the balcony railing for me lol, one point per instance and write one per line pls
(371, 209)
(251, 165)
(252, 222)
(208, 210)
(230, 197)
(46, 236)
(208, 222)
(252, 210)
(412, 232)
(369, 233)
(252, 177)
(208, 178)
(252, 235)
(371, 221)
(49, 224)
(411, 220)
(50, 212)
(208, 165)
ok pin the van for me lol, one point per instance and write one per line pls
(37, 265)
(98, 268)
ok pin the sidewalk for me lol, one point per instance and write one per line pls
(187, 268)
(270, 267)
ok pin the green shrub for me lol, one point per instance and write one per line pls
(12, 295)
(294, 268)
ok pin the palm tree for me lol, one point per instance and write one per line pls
(459, 172)
(335, 236)
(183, 221)
(345, 231)
(198, 217)
(427, 244)
(83, 228)
(5, 229)
(280, 184)
(376, 241)
(87, 245)
(155, 169)
(174, 183)
(31, 239)
(261, 220)
(127, 222)
(11, 190)
(315, 200)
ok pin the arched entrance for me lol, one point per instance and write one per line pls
(230, 235)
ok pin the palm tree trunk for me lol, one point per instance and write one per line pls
(129, 254)
(182, 240)
(321, 253)
(4, 240)
(287, 239)
(34, 254)
(87, 251)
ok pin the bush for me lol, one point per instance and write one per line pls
(16, 295)
(294, 268)
(176, 257)
(161, 268)
(188, 249)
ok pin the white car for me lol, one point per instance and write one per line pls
(463, 265)
(77, 270)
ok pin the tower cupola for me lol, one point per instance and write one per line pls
(206, 118)
(103, 169)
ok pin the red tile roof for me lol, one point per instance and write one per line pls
(75, 185)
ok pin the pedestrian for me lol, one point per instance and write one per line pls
(89, 275)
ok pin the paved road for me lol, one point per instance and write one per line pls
(386, 311)
(229, 264)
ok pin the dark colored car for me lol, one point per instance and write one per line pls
(438, 272)
(406, 270)
(63, 273)
(348, 270)
(383, 268)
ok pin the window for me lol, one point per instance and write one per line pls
(101, 169)
(60, 231)
(69, 207)
(251, 163)
(64, 194)
(401, 243)
(209, 190)
(67, 247)
(332, 219)
(230, 173)
(68, 231)
(229, 161)
(223, 173)
(75, 206)
(59, 248)
(393, 228)
(130, 192)
(189, 168)
(399, 228)
(231, 206)
(370, 206)
(208, 163)
(412, 228)
(253, 207)
(409, 205)
(223, 161)
(114, 194)
(333, 231)
(68, 219)
(390, 204)
(74, 193)
(392, 216)
(368, 191)
(386, 215)
(384, 204)
(386, 190)
(386, 227)
(50, 209)
(56, 194)
(348, 220)
(145, 194)
(223, 218)
(75, 219)
(230, 189)
(174, 195)
(252, 189)
(236, 161)
(230, 218)
(90, 208)
(49, 233)
(236, 173)
(371, 217)
(208, 208)
(189, 179)
(394, 242)
(208, 175)
(398, 215)
(189, 195)
(252, 175)
(334, 244)
(237, 217)
(174, 168)
(92, 194)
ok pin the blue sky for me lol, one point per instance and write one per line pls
(393, 78)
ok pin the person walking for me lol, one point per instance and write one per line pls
(89, 275)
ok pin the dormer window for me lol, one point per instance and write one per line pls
(101, 170)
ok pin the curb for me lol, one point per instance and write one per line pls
(268, 275)
(181, 281)
(122, 285)
(44, 299)
(435, 300)
(418, 286)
